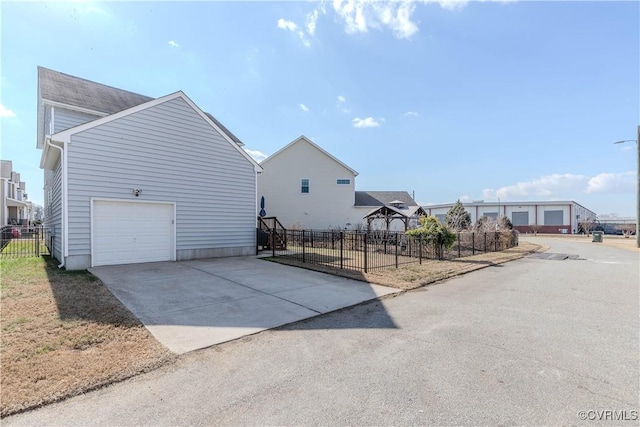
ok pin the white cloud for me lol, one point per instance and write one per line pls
(305, 41)
(258, 156)
(287, 25)
(303, 107)
(452, 4)
(368, 122)
(562, 186)
(90, 9)
(410, 114)
(546, 186)
(465, 199)
(172, 43)
(359, 15)
(341, 105)
(307, 32)
(5, 112)
(293, 27)
(312, 19)
(612, 182)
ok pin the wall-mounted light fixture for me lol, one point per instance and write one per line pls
(136, 192)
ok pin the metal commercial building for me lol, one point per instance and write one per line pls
(556, 217)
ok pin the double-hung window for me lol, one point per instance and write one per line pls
(304, 186)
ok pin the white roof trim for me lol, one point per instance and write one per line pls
(74, 108)
(65, 135)
(304, 138)
(505, 203)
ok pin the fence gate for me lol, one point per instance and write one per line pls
(24, 241)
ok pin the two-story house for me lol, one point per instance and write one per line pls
(131, 178)
(306, 187)
(15, 208)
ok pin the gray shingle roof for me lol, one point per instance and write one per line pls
(78, 92)
(382, 198)
(75, 91)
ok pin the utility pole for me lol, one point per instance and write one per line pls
(637, 141)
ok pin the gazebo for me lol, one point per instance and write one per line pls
(390, 213)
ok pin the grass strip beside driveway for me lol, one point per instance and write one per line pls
(63, 333)
(412, 276)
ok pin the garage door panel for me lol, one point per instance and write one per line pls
(132, 232)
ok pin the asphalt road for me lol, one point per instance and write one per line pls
(529, 342)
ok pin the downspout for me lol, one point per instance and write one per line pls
(63, 165)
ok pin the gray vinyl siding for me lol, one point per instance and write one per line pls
(53, 208)
(173, 155)
(65, 119)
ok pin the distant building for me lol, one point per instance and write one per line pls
(15, 209)
(615, 225)
(555, 217)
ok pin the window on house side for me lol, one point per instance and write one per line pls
(344, 181)
(304, 188)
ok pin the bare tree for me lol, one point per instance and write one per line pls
(38, 213)
(627, 229)
(586, 226)
(535, 228)
(485, 224)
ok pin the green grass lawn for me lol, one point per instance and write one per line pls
(21, 247)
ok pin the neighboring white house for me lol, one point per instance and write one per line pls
(559, 217)
(306, 187)
(15, 208)
(131, 179)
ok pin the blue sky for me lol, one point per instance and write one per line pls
(471, 100)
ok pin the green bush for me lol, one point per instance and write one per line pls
(433, 232)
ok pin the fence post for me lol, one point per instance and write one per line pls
(397, 250)
(341, 253)
(473, 243)
(458, 244)
(273, 241)
(366, 249)
(38, 242)
(495, 239)
(303, 254)
(485, 241)
(420, 250)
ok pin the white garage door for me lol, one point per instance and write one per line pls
(131, 232)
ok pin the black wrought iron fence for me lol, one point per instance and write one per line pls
(24, 241)
(365, 251)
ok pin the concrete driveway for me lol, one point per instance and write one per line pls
(190, 305)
